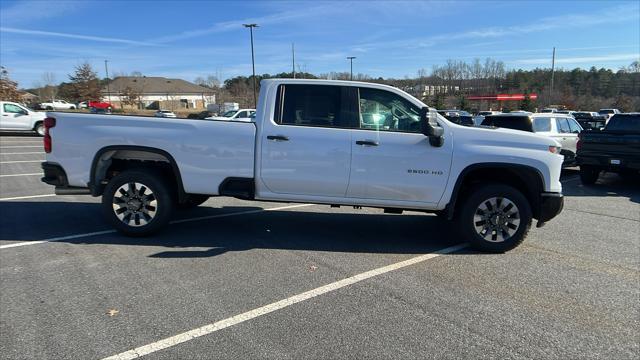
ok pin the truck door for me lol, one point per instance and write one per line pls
(306, 147)
(14, 117)
(391, 159)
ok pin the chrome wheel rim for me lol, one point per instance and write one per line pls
(135, 204)
(496, 219)
(40, 130)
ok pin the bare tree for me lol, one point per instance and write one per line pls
(50, 89)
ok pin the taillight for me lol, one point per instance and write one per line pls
(579, 143)
(48, 124)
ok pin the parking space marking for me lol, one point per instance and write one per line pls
(76, 236)
(26, 197)
(34, 174)
(267, 309)
(21, 161)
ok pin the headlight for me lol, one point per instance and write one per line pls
(554, 149)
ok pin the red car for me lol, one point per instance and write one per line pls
(99, 105)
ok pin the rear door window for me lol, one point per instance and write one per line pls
(311, 105)
(542, 124)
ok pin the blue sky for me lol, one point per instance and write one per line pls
(185, 39)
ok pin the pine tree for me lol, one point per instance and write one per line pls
(85, 84)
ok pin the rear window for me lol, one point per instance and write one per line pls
(542, 124)
(606, 111)
(509, 122)
(624, 123)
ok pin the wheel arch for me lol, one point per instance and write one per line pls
(526, 179)
(148, 156)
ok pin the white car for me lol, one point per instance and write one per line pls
(313, 141)
(165, 114)
(57, 105)
(236, 115)
(608, 113)
(16, 117)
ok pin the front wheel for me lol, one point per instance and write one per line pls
(495, 218)
(137, 202)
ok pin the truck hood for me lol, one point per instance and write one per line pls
(512, 137)
(38, 115)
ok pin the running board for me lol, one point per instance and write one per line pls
(71, 190)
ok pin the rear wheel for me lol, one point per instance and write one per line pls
(495, 218)
(589, 174)
(137, 202)
(39, 128)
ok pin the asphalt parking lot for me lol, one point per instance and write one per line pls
(237, 279)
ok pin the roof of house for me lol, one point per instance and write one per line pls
(155, 85)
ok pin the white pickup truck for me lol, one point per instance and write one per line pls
(17, 117)
(239, 115)
(313, 141)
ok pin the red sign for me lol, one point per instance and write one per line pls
(503, 97)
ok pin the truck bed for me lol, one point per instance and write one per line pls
(205, 151)
(610, 149)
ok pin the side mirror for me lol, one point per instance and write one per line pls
(430, 128)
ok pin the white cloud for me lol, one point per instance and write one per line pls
(581, 59)
(73, 36)
(28, 12)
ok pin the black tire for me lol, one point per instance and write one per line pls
(589, 174)
(136, 202)
(39, 128)
(193, 200)
(72, 108)
(49, 108)
(509, 208)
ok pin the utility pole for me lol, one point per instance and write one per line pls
(293, 60)
(106, 70)
(351, 60)
(253, 63)
(553, 67)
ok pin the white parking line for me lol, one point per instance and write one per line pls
(21, 161)
(267, 309)
(76, 236)
(34, 174)
(26, 197)
(24, 153)
(21, 146)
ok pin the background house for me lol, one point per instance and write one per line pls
(143, 92)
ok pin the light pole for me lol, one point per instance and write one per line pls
(253, 63)
(351, 60)
(106, 70)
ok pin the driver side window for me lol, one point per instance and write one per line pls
(10, 108)
(385, 111)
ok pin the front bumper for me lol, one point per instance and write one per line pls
(551, 205)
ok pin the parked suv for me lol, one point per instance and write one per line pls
(560, 127)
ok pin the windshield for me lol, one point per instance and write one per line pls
(229, 113)
(606, 111)
(509, 122)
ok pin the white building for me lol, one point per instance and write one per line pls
(157, 93)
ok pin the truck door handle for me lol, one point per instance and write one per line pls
(277, 137)
(367, 142)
